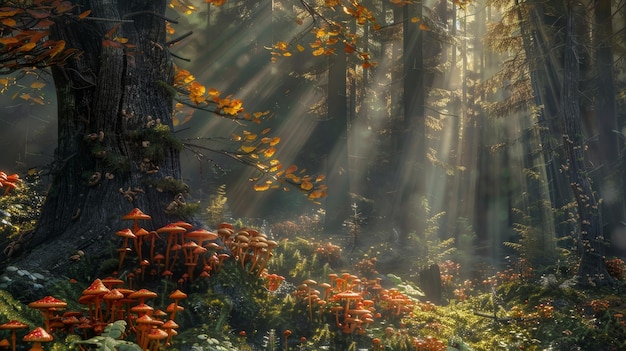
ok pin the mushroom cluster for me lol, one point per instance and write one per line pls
(9, 182)
(106, 301)
(354, 303)
(190, 252)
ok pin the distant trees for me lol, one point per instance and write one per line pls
(577, 123)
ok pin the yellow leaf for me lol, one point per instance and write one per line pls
(26, 47)
(248, 148)
(320, 178)
(286, 54)
(58, 47)
(306, 185)
(25, 96)
(10, 13)
(9, 40)
(300, 47)
(236, 137)
(37, 100)
(9, 22)
(319, 51)
(85, 14)
(291, 169)
(269, 152)
(37, 85)
(415, 19)
(250, 136)
(275, 141)
(262, 187)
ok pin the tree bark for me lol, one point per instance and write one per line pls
(112, 99)
(592, 270)
(408, 215)
(335, 129)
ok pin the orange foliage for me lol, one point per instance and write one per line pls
(24, 27)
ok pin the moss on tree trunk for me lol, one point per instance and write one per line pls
(115, 143)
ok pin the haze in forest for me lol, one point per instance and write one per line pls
(488, 162)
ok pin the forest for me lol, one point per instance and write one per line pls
(337, 175)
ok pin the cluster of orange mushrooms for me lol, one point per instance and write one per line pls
(9, 182)
(107, 301)
(355, 302)
(195, 252)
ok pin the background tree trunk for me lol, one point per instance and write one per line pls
(117, 92)
(592, 270)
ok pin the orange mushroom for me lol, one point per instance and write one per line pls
(37, 336)
(154, 338)
(135, 215)
(145, 323)
(169, 327)
(173, 232)
(46, 305)
(142, 295)
(177, 295)
(97, 290)
(13, 326)
(126, 234)
(112, 299)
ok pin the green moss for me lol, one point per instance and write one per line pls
(155, 142)
(171, 185)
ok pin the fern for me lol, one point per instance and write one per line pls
(110, 340)
(217, 206)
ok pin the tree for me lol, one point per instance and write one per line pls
(592, 270)
(115, 82)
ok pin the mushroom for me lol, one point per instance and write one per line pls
(142, 295)
(169, 327)
(97, 290)
(177, 295)
(308, 283)
(135, 215)
(140, 234)
(37, 336)
(13, 325)
(155, 336)
(144, 324)
(46, 305)
(112, 298)
(173, 230)
(126, 234)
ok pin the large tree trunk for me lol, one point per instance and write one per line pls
(118, 93)
(408, 214)
(592, 270)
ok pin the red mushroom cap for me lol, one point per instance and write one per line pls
(125, 233)
(171, 228)
(48, 302)
(37, 335)
(136, 213)
(170, 324)
(201, 235)
(178, 295)
(145, 293)
(157, 334)
(13, 324)
(183, 224)
(96, 288)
